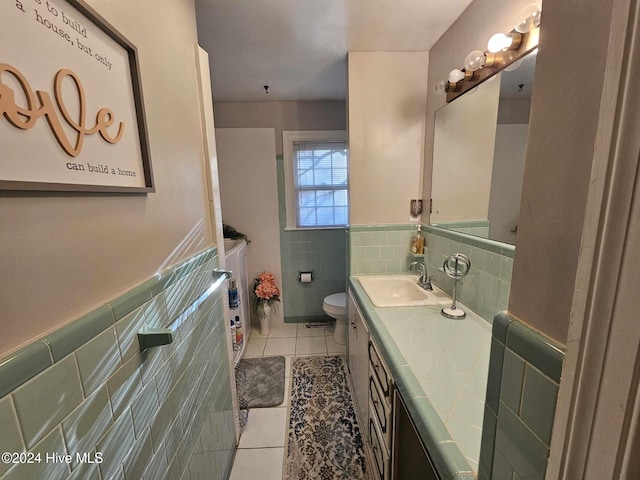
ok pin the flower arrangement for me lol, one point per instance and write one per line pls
(265, 292)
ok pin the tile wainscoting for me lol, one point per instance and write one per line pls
(322, 251)
(85, 388)
(522, 391)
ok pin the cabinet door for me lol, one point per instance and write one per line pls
(358, 361)
(410, 458)
(362, 385)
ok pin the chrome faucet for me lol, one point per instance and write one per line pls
(424, 280)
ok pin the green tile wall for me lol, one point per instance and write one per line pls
(522, 391)
(144, 412)
(384, 249)
(324, 252)
(485, 289)
(380, 249)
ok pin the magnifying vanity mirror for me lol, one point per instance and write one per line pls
(479, 153)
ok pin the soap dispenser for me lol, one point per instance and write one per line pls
(417, 242)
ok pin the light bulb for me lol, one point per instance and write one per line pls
(501, 42)
(456, 75)
(474, 61)
(498, 42)
(528, 18)
(441, 87)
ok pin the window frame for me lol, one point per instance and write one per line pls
(288, 139)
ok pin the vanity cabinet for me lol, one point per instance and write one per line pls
(358, 360)
(396, 449)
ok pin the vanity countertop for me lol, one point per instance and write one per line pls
(440, 367)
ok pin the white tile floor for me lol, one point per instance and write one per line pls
(261, 449)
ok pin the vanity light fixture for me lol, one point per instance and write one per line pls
(503, 50)
(481, 66)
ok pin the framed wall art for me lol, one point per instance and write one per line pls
(71, 108)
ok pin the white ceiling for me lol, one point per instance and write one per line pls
(299, 47)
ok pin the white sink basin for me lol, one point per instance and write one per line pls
(400, 291)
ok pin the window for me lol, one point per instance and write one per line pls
(316, 178)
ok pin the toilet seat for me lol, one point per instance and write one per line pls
(335, 304)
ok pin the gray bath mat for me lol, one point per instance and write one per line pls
(324, 439)
(260, 381)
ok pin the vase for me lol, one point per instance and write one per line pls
(264, 314)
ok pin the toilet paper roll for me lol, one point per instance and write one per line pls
(305, 278)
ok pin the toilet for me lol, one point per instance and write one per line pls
(336, 307)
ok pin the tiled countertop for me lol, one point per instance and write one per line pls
(440, 368)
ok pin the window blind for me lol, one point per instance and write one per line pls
(321, 183)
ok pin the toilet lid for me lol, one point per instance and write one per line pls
(338, 300)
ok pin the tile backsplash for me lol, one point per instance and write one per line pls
(86, 391)
(380, 249)
(485, 289)
(384, 249)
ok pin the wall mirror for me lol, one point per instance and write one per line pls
(480, 141)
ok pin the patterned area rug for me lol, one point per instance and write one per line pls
(324, 441)
(260, 381)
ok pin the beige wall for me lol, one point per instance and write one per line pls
(249, 196)
(327, 115)
(64, 254)
(563, 120)
(386, 104)
(573, 45)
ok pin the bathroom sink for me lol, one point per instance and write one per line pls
(400, 291)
